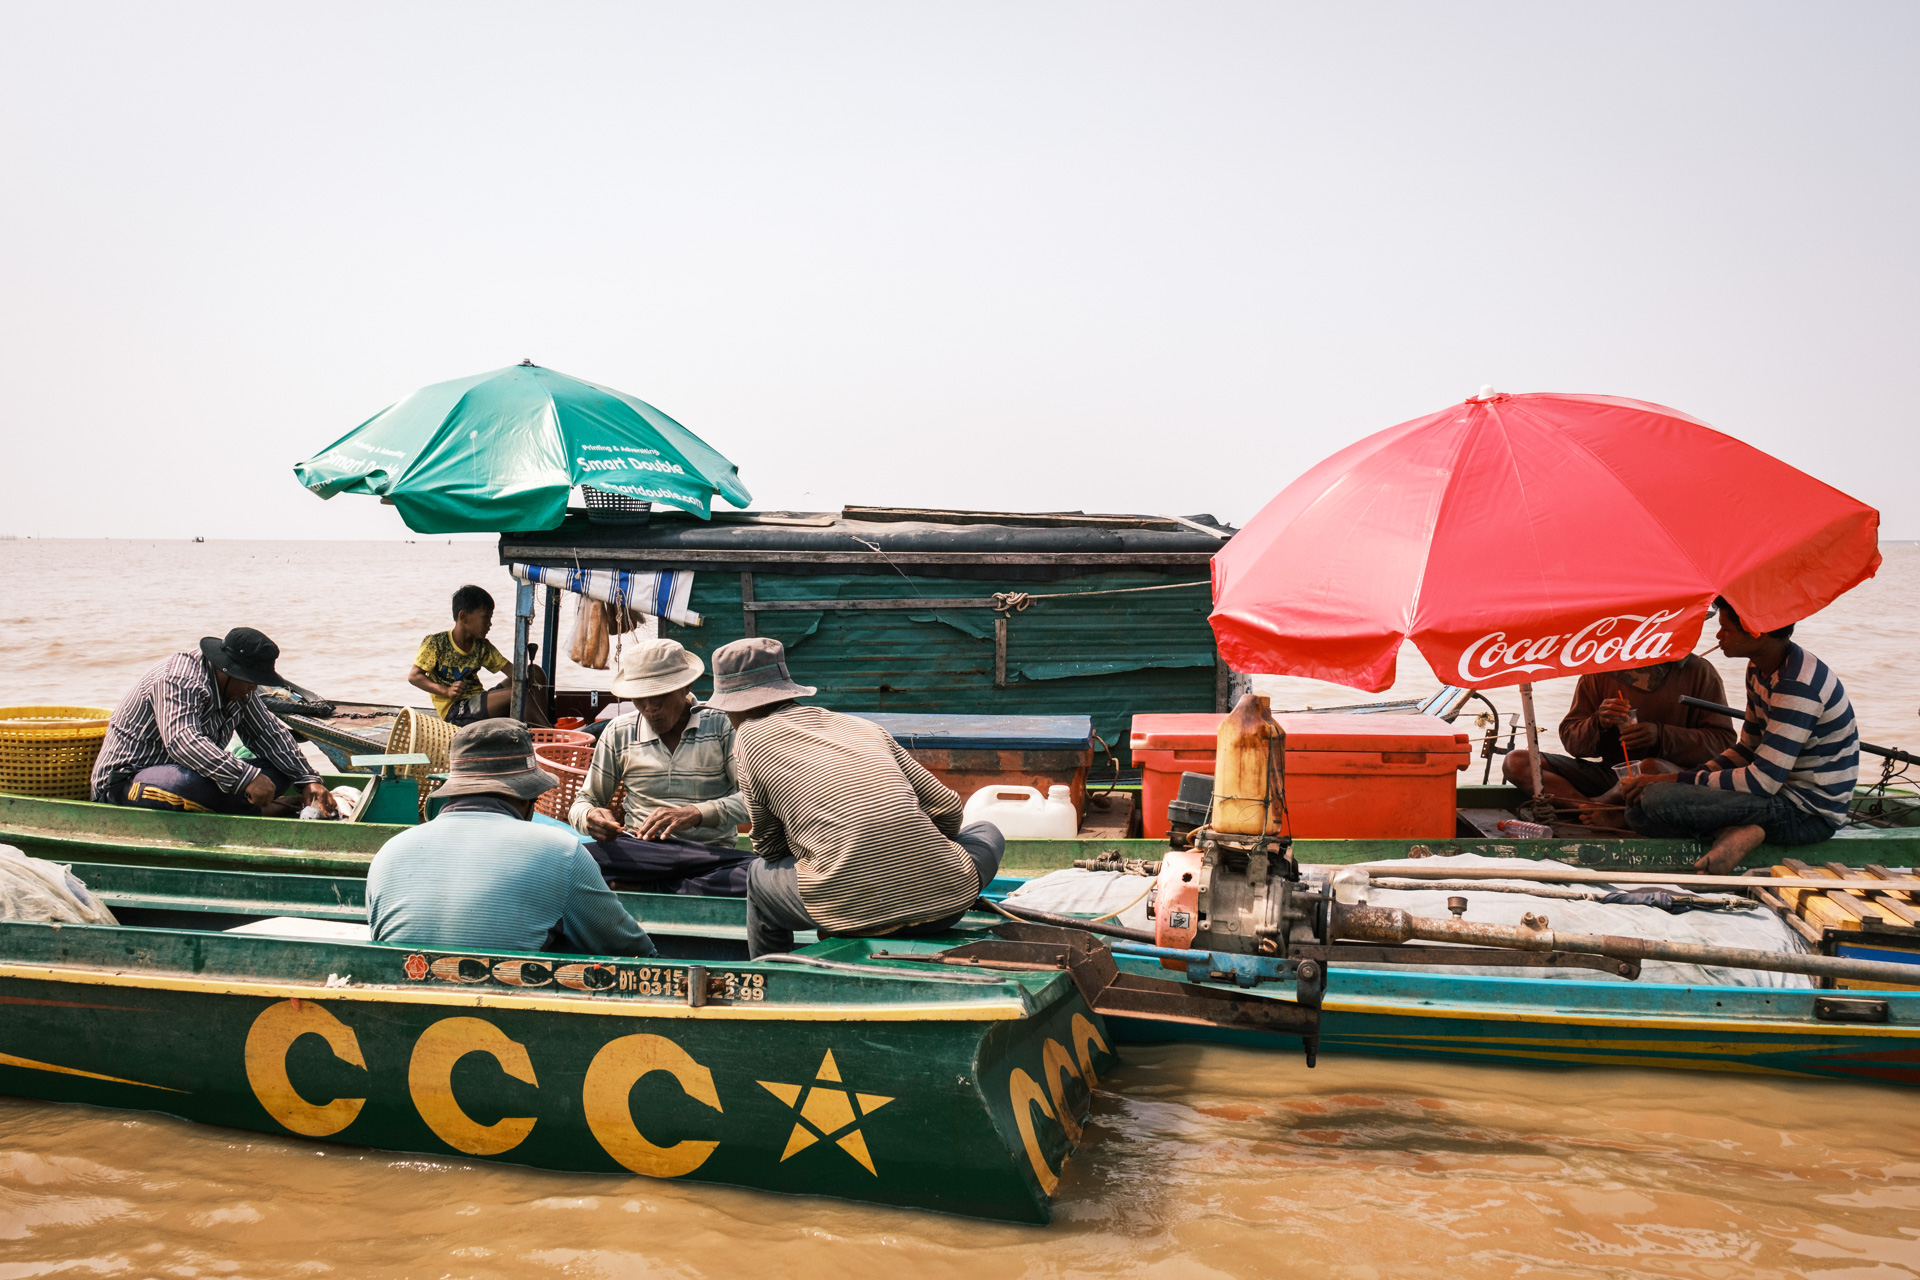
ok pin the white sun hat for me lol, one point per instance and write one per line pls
(654, 667)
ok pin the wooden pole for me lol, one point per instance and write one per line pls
(1533, 740)
(1562, 874)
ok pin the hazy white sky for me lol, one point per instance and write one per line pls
(1107, 256)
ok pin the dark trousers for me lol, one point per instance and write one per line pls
(168, 786)
(775, 910)
(1682, 809)
(672, 866)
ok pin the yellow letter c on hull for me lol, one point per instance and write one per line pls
(606, 1101)
(273, 1033)
(430, 1080)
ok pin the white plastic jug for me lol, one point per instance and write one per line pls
(1022, 813)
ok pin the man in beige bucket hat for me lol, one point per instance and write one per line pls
(853, 835)
(682, 804)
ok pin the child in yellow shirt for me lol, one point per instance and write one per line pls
(449, 662)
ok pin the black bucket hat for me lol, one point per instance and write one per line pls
(494, 758)
(245, 654)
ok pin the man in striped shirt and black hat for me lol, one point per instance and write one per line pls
(1787, 781)
(854, 836)
(166, 746)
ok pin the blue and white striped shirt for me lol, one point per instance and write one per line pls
(1799, 739)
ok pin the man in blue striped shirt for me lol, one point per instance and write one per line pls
(1787, 781)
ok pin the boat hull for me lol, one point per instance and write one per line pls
(1556, 1022)
(69, 830)
(895, 1090)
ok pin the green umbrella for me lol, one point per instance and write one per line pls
(500, 451)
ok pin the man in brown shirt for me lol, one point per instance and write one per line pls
(1640, 709)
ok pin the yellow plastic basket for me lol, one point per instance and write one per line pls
(49, 751)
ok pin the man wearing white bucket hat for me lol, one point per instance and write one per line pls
(674, 756)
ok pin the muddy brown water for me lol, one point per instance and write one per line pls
(1202, 1161)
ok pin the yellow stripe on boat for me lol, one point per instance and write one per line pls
(451, 997)
(1585, 1059)
(30, 1064)
(1650, 1022)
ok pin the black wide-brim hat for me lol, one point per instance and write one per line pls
(245, 654)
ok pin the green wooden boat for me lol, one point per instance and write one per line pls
(65, 830)
(949, 1091)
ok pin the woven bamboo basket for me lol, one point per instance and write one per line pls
(423, 732)
(49, 751)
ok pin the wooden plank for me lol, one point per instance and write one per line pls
(748, 607)
(1813, 903)
(1011, 519)
(1892, 904)
(1582, 875)
(829, 604)
(1847, 904)
(1879, 872)
(1794, 922)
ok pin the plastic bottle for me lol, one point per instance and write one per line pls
(1022, 813)
(1523, 830)
(1248, 771)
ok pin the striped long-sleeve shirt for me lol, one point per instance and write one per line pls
(699, 772)
(1799, 739)
(869, 829)
(175, 715)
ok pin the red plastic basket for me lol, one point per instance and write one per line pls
(568, 762)
(560, 737)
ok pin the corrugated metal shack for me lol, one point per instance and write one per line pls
(961, 612)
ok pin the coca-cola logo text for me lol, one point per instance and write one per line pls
(1600, 642)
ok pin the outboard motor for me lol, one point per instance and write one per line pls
(1236, 887)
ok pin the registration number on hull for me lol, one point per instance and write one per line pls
(599, 978)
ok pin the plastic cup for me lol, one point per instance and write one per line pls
(1629, 769)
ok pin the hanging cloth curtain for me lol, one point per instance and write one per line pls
(665, 594)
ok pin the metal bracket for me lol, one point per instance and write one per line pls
(1091, 966)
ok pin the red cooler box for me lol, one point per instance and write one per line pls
(1352, 777)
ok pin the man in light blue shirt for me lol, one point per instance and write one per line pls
(481, 876)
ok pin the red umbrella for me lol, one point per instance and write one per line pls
(1514, 538)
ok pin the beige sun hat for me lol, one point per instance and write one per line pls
(654, 667)
(751, 673)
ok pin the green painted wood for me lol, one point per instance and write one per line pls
(71, 830)
(445, 1054)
